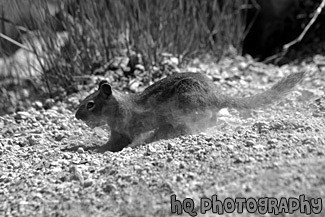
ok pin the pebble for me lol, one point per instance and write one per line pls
(95, 162)
(108, 188)
(22, 115)
(171, 145)
(250, 143)
(66, 156)
(140, 67)
(150, 149)
(49, 103)
(38, 105)
(56, 169)
(224, 112)
(243, 66)
(55, 163)
(179, 178)
(33, 141)
(230, 147)
(59, 137)
(181, 166)
(238, 161)
(80, 150)
(91, 169)
(272, 141)
(64, 127)
(259, 146)
(76, 174)
(88, 183)
(134, 85)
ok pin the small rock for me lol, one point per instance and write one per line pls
(137, 167)
(238, 161)
(181, 166)
(272, 141)
(171, 145)
(134, 85)
(210, 144)
(57, 170)
(251, 160)
(311, 149)
(190, 175)
(250, 143)
(239, 129)
(33, 141)
(49, 103)
(140, 67)
(76, 174)
(243, 66)
(208, 139)
(224, 112)
(25, 165)
(230, 147)
(95, 162)
(55, 163)
(55, 108)
(58, 137)
(38, 105)
(80, 150)
(150, 149)
(91, 169)
(88, 183)
(216, 78)
(64, 126)
(22, 115)
(259, 146)
(108, 188)
(16, 165)
(179, 178)
(5, 179)
(23, 142)
(107, 170)
(66, 156)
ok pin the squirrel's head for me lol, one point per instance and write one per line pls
(94, 109)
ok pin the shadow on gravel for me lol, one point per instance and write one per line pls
(76, 148)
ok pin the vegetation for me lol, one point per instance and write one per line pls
(102, 30)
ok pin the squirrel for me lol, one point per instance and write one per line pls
(179, 104)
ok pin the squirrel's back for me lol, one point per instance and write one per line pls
(183, 90)
(197, 91)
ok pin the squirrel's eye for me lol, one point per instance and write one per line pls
(90, 105)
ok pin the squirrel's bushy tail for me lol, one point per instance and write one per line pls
(277, 91)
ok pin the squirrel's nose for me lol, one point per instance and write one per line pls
(78, 115)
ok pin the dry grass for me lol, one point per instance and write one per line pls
(103, 30)
(98, 31)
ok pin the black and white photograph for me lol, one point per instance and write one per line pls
(158, 108)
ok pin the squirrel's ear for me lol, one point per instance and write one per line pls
(105, 89)
(102, 82)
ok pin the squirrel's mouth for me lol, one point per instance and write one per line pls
(92, 124)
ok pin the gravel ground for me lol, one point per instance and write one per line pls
(49, 165)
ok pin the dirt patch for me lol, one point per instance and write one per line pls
(275, 152)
